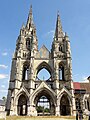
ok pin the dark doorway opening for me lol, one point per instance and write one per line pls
(22, 105)
(64, 106)
(63, 112)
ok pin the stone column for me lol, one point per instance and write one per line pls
(89, 102)
(71, 110)
(16, 110)
(11, 109)
(73, 100)
(32, 111)
(28, 110)
(57, 110)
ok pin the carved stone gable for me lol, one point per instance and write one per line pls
(43, 53)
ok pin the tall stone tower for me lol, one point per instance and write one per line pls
(27, 94)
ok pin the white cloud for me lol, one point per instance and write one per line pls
(3, 76)
(80, 78)
(3, 86)
(49, 34)
(4, 54)
(3, 66)
(84, 79)
(75, 75)
(3, 91)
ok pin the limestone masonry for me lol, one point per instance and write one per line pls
(27, 93)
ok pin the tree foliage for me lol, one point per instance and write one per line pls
(4, 98)
(42, 109)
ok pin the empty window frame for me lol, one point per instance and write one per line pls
(61, 72)
(25, 73)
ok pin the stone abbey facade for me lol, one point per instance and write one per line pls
(26, 92)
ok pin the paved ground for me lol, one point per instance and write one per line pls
(41, 118)
(48, 119)
(45, 119)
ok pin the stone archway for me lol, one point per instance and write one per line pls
(46, 67)
(65, 105)
(22, 105)
(44, 104)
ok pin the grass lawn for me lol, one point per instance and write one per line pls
(41, 118)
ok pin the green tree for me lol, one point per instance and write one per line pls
(46, 110)
(40, 109)
(4, 98)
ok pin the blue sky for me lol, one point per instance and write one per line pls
(75, 17)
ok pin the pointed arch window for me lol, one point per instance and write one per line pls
(61, 72)
(29, 25)
(28, 43)
(60, 48)
(65, 105)
(25, 72)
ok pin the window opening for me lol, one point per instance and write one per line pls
(28, 43)
(64, 106)
(60, 48)
(22, 105)
(25, 73)
(43, 74)
(61, 73)
(43, 105)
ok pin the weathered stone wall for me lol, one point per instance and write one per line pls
(3, 114)
(28, 56)
(2, 108)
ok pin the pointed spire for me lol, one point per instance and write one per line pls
(23, 26)
(30, 22)
(59, 31)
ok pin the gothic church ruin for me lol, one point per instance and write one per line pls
(29, 95)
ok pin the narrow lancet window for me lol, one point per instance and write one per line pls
(28, 43)
(25, 73)
(60, 48)
(61, 72)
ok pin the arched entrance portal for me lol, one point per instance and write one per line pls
(44, 104)
(64, 105)
(22, 105)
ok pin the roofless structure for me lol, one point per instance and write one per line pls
(27, 93)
